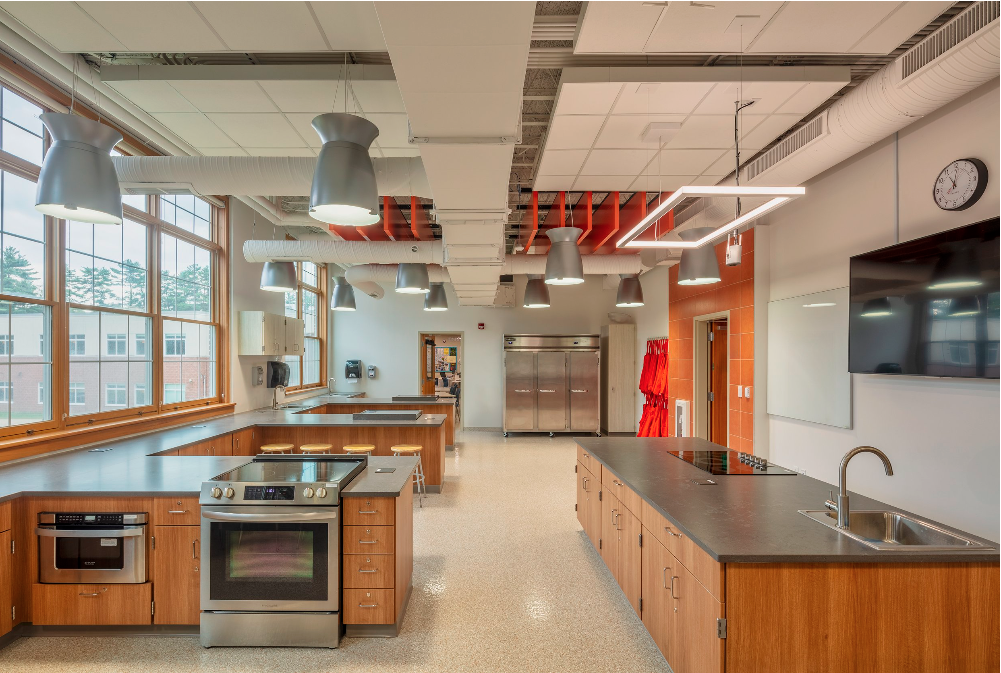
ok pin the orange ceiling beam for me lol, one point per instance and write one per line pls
(394, 222)
(420, 226)
(555, 217)
(529, 225)
(630, 213)
(346, 233)
(604, 225)
(581, 216)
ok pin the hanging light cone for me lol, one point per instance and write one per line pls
(698, 266)
(630, 294)
(564, 265)
(964, 307)
(536, 293)
(279, 277)
(435, 300)
(956, 270)
(344, 188)
(78, 180)
(412, 279)
(874, 308)
(344, 295)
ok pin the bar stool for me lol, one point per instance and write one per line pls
(277, 448)
(315, 448)
(367, 449)
(414, 450)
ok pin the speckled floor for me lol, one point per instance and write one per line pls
(504, 580)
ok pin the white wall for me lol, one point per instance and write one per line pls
(384, 333)
(942, 435)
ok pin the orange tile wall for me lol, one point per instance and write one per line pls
(734, 292)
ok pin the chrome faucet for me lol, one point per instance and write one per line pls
(841, 506)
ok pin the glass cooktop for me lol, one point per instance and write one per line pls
(729, 462)
(293, 471)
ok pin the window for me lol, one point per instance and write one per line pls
(29, 369)
(6, 344)
(189, 361)
(173, 344)
(78, 394)
(139, 395)
(118, 344)
(115, 395)
(308, 303)
(78, 344)
(173, 392)
(188, 213)
(140, 344)
(5, 392)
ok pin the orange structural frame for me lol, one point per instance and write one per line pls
(394, 222)
(604, 225)
(658, 228)
(556, 217)
(581, 217)
(529, 225)
(420, 226)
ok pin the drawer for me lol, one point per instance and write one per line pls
(91, 604)
(176, 512)
(369, 511)
(706, 570)
(591, 463)
(369, 539)
(369, 571)
(627, 496)
(369, 606)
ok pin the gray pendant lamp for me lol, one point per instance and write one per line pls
(698, 266)
(344, 295)
(964, 307)
(78, 180)
(875, 308)
(412, 279)
(630, 294)
(344, 188)
(279, 277)
(536, 293)
(435, 300)
(564, 265)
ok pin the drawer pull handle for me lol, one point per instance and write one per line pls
(374, 511)
(177, 511)
(363, 570)
(671, 532)
(368, 605)
(675, 577)
(98, 593)
(368, 542)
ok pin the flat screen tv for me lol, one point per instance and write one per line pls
(928, 307)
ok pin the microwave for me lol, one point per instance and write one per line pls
(91, 547)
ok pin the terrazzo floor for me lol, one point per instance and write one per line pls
(504, 580)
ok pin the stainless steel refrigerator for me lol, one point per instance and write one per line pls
(551, 383)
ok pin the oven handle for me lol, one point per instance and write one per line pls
(56, 532)
(237, 516)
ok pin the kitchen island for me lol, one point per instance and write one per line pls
(727, 575)
(341, 404)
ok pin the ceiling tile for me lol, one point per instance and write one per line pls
(588, 98)
(222, 151)
(661, 97)
(819, 27)
(450, 115)
(711, 131)
(616, 162)
(195, 129)
(810, 97)
(155, 26)
(64, 25)
(264, 26)
(303, 95)
(280, 151)
(153, 96)
(688, 27)
(301, 122)
(224, 95)
(561, 162)
(724, 165)
(573, 132)
(908, 19)
(396, 151)
(626, 131)
(657, 183)
(350, 26)
(767, 96)
(707, 180)
(378, 96)
(688, 162)
(553, 183)
(393, 129)
(448, 69)
(615, 27)
(257, 129)
(602, 183)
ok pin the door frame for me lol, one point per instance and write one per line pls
(700, 363)
(462, 363)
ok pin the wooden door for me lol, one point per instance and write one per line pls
(699, 648)
(630, 557)
(6, 583)
(718, 413)
(611, 509)
(657, 612)
(427, 366)
(176, 563)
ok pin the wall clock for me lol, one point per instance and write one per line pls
(960, 184)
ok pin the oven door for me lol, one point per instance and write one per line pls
(271, 558)
(100, 556)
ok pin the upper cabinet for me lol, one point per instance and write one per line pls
(294, 333)
(263, 333)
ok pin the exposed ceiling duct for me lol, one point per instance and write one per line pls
(366, 277)
(345, 252)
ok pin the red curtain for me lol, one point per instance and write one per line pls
(656, 418)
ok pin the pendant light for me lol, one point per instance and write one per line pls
(344, 295)
(875, 308)
(563, 264)
(278, 276)
(630, 294)
(964, 307)
(698, 266)
(412, 279)
(956, 270)
(435, 300)
(536, 293)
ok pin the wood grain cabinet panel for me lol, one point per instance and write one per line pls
(91, 604)
(369, 571)
(176, 512)
(245, 442)
(6, 583)
(369, 511)
(369, 539)
(698, 647)
(369, 606)
(590, 463)
(176, 574)
(658, 611)
(630, 557)
(708, 571)
(608, 549)
(626, 496)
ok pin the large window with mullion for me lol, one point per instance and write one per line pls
(308, 303)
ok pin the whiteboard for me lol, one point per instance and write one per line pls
(808, 375)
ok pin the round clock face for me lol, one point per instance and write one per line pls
(960, 184)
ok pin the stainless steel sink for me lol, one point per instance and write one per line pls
(893, 531)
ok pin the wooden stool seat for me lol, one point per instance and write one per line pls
(316, 448)
(358, 448)
(407, 448)
(277, 448)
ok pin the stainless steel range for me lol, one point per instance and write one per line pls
(272, 532)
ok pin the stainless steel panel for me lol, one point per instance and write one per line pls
(132, 539)
(270, 629)
(584, 391)
(541, 342)
(519, 391)
(552, 377)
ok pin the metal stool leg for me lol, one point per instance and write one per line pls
(421, 484)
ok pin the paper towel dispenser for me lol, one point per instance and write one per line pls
(278, 373)
(352, 369)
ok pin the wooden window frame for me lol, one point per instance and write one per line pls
(321, 325)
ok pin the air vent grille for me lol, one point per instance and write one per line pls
(965, 25)
(803, 136)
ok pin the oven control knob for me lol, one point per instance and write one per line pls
(216, 492)
(307, 492)
(321, 492)
(229, 493)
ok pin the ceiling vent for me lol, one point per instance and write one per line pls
(964, 26)
(803, 136)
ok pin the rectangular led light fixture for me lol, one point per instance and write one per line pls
(780, 196)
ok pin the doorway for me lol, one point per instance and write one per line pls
(441, 363)
(711, 378)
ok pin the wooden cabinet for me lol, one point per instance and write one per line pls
(369, 606)
(176, 511)
(620, 546)
(589, 504)
(90, 604)
(294, 336)
(369, 511)
(618, 378)
(176, 574)
(700, 649)
(658, 610)
(263, 333)
(245, 442)
(6, 583)
(217, 446)
(608, 548)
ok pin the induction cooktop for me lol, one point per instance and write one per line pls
(730, 463)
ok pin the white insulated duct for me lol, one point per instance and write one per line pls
(366, 277)
(345, 252)
(594, 265)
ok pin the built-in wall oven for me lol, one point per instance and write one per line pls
(91, 547)
(271, 536)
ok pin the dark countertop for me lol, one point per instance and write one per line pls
(748, 519)
(375, 401)
(386, 484)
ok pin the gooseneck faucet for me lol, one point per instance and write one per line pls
(841, 506)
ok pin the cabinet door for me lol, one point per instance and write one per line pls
(658, 610)
(273, 326)
(629, 556)
(176, 576)
(244, 442)
(584, 392)
(611, 509)
(552, 378)
(593, 509)
(219, 446)
(582, 495)
(6, 583)
(294, 336)
(519, 391)
(699, 649)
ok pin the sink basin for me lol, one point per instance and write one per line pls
(893, 531)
